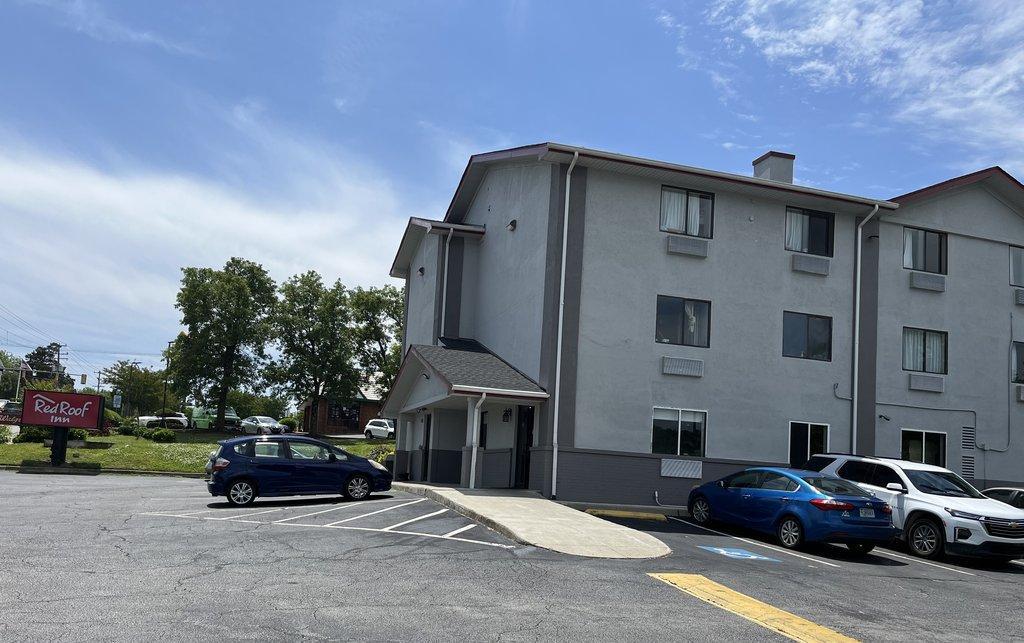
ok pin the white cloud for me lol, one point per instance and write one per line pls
(88, 18)
(98, 250)
(954, 70)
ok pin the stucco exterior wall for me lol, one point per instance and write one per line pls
(423, 292)
(977, 310)
(749, 390)
(507, 309)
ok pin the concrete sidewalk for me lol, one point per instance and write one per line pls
(529, 518)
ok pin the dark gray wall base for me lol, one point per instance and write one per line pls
(497, 469)
(401, 464)
(446, 466)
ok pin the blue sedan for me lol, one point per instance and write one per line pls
(244, 468)
(797, 506)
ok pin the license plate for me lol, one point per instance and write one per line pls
(867, 513)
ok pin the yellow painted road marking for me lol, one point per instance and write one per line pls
(786, 624)
(616, 513)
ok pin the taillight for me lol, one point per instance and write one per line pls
(831, 504)
(221, 464)
(886, 509)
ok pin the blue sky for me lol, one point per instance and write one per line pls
(139, 137)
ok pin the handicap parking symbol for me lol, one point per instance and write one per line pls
(735, 552)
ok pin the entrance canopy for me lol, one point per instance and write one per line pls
(434, 375)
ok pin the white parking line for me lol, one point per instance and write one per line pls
(338, 522)
(254, 513)
(401, 533)
(341, 506)
(402, 524)
(460, 530)
(754, 542)
(923, 562)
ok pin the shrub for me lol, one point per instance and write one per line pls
(162, 435)
(144, 433)
(78, 434)
(112, 418)
(33, 434)
(126, 429)
(381, 452)
(5, 435)
(291, 423)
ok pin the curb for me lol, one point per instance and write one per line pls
(433, 494)
(77, 471)
(616, 510)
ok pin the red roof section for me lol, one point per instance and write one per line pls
(960, 181)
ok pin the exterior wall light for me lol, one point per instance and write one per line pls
(512, 225)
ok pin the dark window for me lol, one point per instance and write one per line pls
(925, 351)
(807, 336)
(244, 448)
(835, 486)
(686, 322)
(678, 432)
(777, 482)
(805, 440)
(926, 447)
(270, 449)
(857, 471)
(1018, 362)
(687, 212)
(817, 463)
(924, 250)
(1016, 266)
(883, 475)
(1002, 495)
(809, 231)
(483, 429)
(745, 480)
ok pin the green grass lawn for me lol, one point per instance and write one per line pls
(189, 454)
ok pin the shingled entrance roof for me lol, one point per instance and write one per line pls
(467, 367)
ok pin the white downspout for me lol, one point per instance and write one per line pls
(476, 441)
(856, 330)
(444, 284)
(561, 319)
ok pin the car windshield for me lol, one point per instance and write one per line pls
(942, 483)
(262, 419)
(835, 486)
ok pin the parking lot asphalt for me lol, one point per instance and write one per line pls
(150, 557)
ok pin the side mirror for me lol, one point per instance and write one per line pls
(332, 458)
(897, 487)
(720, 484)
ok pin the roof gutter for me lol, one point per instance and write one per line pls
(476, 390)
(856, 330)
(561, 322)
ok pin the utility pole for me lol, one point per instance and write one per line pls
(56, 375)
(131, 370)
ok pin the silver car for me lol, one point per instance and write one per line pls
(262, 425)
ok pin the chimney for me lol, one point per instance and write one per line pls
(775, 166)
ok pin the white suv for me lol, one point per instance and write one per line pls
(935, 509)
(379, 429)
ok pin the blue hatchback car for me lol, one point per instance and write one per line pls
(247, 467)
(797, 506)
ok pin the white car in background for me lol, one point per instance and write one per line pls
(379, 429)
(936, 510)
(263, 425)
(170, 421)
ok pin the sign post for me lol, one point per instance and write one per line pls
(62, 411)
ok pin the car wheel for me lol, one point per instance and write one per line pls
(925, 539)
(241, 493)
(357, 487)
(790, 533)
(368, 434)
(860, 549)
(391, 435)
(700, 511)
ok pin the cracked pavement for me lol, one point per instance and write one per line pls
(83, 558)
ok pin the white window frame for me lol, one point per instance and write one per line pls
(945, 445)
(679, 433)
(789, 436)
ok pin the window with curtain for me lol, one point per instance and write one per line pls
(678, 432)
(924, 351)
(924, 250)
(1016, 266)
(686, 322)
(926, 447)
(1018, 362)
(687, 212)
(806, 336)
(809, 231)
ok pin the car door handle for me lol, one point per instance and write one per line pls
(746, 495)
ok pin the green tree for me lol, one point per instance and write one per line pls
(311, 327)
(246, 404)
(377, 316)
(141, 389)
(8, 378)
(45, 364)
(227, 316)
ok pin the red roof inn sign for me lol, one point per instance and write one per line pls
(63, 410)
